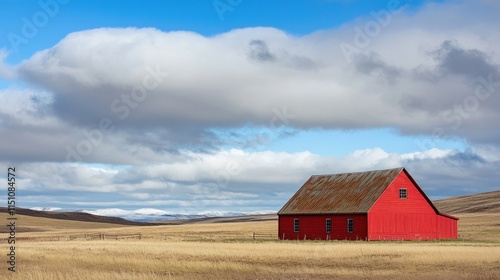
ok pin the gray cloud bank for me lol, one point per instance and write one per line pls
(409, 77)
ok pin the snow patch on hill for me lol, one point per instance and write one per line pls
(153, 214)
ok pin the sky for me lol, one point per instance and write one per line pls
(231, 105)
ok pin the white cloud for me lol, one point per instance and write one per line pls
(241, 77)
(262, 179)
(429, 154)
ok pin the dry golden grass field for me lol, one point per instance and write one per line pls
(228, 251)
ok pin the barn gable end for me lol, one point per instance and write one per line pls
(392, 217)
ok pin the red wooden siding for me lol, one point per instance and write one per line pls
(314, 227)
(447, 227)
(389, 201)
(397, 226)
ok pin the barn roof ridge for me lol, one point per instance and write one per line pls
(356, 172)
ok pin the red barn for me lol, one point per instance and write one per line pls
(374, 205)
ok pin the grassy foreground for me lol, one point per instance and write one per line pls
(166, 252)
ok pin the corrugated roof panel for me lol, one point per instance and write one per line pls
(340, 193)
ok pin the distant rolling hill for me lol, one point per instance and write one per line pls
(210, 220)
(75, 216)
(476, 203)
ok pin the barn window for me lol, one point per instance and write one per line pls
(402, 193)
(296, 225)
(328, 225)
(350, 225)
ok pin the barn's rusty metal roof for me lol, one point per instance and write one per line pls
(340, 193)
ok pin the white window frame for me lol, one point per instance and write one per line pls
(296, 225)
(403, 193)
(350, 225)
